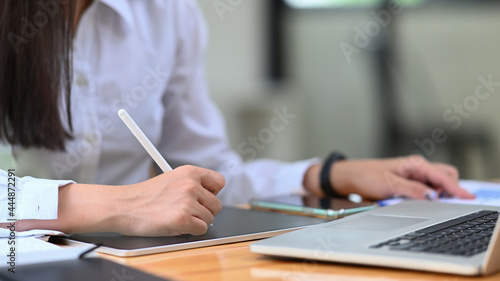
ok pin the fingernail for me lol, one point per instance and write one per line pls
(430, 196)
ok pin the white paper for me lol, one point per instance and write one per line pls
(487, 193)
(5, 233)
(29, 250)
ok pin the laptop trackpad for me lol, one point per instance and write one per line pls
(378, 223)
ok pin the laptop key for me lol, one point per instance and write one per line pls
(464, 236)
(413, 235)
(441, 226)
(454, 222)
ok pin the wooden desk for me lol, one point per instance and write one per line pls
(236, 262)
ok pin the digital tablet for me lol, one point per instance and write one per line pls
(230, 225)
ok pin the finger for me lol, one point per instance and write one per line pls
(191, 218)
(439, 180)
(212, 181)
(195, 226)
(202, 213)
(209, 201)
(449, 186)
(415, 189)
(449, 170)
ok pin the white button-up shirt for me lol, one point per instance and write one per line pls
(147, 57)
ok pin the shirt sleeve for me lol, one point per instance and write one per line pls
(33, 198)
(193, 130)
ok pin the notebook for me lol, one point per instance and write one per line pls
(417, 235)
(230, 225)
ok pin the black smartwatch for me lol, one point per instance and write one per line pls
(324, 176)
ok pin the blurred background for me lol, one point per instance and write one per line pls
(366, 77)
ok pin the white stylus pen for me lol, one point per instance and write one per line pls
(146, 143)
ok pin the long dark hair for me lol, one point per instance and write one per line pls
(35, 69)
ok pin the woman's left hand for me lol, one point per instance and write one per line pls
(411, 176)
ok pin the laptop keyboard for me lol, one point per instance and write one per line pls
(464, 236)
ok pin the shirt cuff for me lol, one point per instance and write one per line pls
(38, 198)
(293, 176)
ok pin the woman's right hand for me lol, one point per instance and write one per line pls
(182, 201)
(178, 202)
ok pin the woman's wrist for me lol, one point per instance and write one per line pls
(311, 180)
(88, 208)
(326, 179)
(339, 178)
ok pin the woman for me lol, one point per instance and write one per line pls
(70, 71)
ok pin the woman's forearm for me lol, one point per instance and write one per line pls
(178, 202)
(81, 208)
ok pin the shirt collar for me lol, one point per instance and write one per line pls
(123, 9)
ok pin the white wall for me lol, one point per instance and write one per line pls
(236, 77)
(443, 51)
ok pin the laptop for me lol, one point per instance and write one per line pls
(416, 235)
(230, 225)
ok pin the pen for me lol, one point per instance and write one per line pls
(146, 143)
(143, 139)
